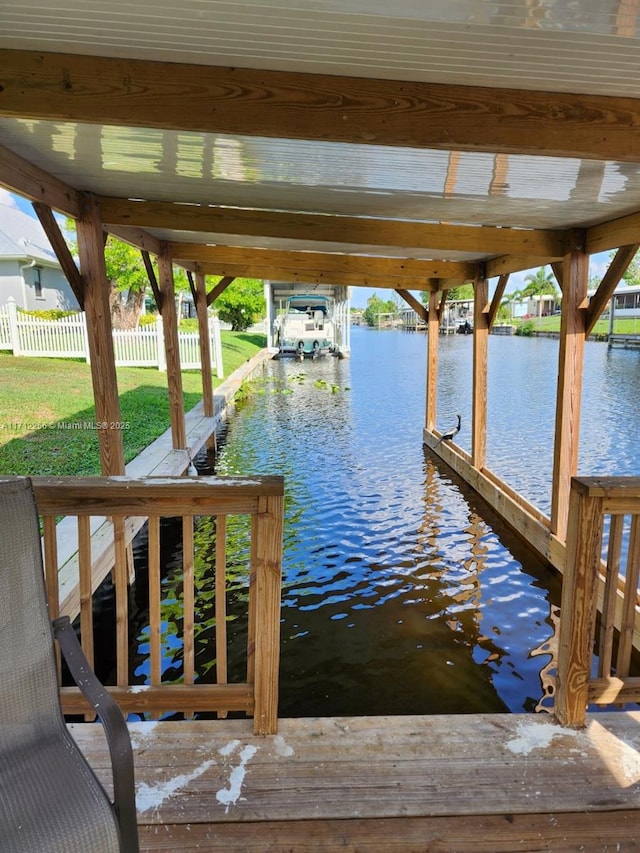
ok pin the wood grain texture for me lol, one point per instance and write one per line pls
(339, 229)
(100, 338)
(26, 179)
(480, 357)
(143, 93)
(204, 343)
(569, 393)
(511, 775)
(578, 608)
(172, 349)
(433, 323)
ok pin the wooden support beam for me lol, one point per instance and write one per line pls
(62, 251)
(368, 230)
(497, 298)
(443, 302)
(153, 281)
(412, 302)
(219, 288)
(328, 262)
(126, 92)
(569, 394)
(22, 177)
(610, 281)
(557, 268)
(322, 276)
(172, 349)
(480, 357)
(192, 286)
(578, 608)
(205, 344)
(433, 329)
(100, 337)
(613, 234)
(517, 263)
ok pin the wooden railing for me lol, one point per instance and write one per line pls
(594, 581)
(120, 498)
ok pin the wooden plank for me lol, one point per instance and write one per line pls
(172, 349)
(180, 698)
(610, 235)
(221, 604)
(219, 288)
(153, 282)
(100, 338)
(433, 321)
(121, 585)
(188, 600)
(61, 250)
(26, 179)
(516, 263)
(85, 583)
(578, 608)
(574, 832)
(625, 642)
(569, 393)
(496, 300)
(137, 238)
(375, 265)
(295, 105)
(155, 598)
(204, 344)
(607, 623)
(156, 496)
(448, 277)
(412, 302)
(379, 767)
(368, 230)
(614, 490)
(268, 573)
(611, 690)
(610, 281)
(480, 356)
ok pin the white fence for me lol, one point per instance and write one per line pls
(27, 335)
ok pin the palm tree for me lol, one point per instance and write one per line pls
(542, 281)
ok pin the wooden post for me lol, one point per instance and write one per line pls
(100, 336)
(578, 607)
(575, 276)
(172, 349)
(205, 347)
(433, 329)
(267, 589)
(480, 353)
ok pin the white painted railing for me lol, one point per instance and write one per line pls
(27, 335)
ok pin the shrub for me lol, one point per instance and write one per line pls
(48, 314)
(526, 329)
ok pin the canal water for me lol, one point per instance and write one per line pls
(402, 592)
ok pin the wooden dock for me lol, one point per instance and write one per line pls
(470, 784)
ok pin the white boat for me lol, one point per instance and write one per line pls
(307, 327)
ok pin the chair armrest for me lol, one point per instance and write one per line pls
(115, 728)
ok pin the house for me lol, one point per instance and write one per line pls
(29, 269)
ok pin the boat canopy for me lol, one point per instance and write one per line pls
(308, 302)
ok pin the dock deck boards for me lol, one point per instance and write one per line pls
(476, 783)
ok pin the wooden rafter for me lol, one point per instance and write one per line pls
(22, 177)
(326, 261)
(340, 229)
(420, 309)
(192, 285)
(220, 287)
(610, 235)
(293, 105)
(497, 298)
(153, 281)
(61, 250)
(610, 281)
(515, 263)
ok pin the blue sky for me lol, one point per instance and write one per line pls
(359, 295)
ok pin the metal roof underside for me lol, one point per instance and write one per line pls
(589, 47)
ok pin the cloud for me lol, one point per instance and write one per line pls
(8, 198)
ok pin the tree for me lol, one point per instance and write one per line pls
(128, 278)
(540, 282)
(241, 304)
(632, 273)
(377, 306)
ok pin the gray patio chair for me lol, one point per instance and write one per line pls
(50, 799)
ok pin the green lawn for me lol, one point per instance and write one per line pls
(552, 324)
(47, 412)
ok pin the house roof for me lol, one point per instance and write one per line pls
(275, 138)
(22, 237)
